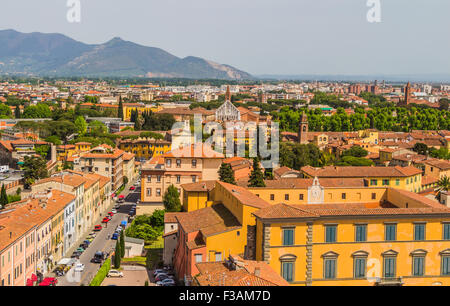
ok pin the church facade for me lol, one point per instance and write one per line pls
(227, 111)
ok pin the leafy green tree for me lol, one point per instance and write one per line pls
(444, 103)
(42, 150)
(355, 151)
(171, 199)
(256, 176)
(420, 148)
(226, 174)
(39, 110)
(97, 128)
(143, 231)
(157, 218)
(81, 125)
(354, 161)
(53, 139)
(34, 168)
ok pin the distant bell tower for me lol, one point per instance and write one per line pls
(408, 93)
(228, 94)
(303, 130)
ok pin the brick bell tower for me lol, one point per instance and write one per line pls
(303, 130)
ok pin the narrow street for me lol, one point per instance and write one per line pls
(100, 243)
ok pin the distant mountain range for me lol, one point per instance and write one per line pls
(39, 54)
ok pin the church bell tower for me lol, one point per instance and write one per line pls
(303, 130)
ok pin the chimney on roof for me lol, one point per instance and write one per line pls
(258, 271)
(10, 235)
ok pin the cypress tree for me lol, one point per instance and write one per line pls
(117, 255)
(120, 110)
(256, 177)
(226, 174)
(3, 197)
(122, 244)
(17, 112)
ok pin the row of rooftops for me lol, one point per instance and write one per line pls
(19, 217)
(369, 171)
(76, 179)
(23, 216)
(217, 218)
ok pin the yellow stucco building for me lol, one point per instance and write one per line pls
(145, 148)
(406, 178)
(330, 231)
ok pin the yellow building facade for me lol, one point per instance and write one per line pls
(327, 245)
(374, 236)
(144, 148)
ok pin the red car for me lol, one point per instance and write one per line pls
(98, 228)
(111, 213)
(49, 281)
(132, 188)
(105, 220)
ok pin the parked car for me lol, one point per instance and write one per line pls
(162, 276)
(79, 267)
(132, 188)
(115, 236)
(114, 273)
(59, 271)
(111, 214)
(119, 229)
(158, 271)
(80, 250)
(98, 228)
(98, 257)
(105, 220)
(75, 254)
(114, 211)
(166, 282)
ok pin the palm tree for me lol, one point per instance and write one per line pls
(443, 184)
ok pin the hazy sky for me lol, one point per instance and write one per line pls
(261, 36)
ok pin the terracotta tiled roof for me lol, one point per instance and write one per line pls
(244, 196)
(170, 217)
(71, 180)
(220, 274)
(349, 171)
(198, 150)
(27, 214)
(199, 186)
(438, 163)
(128, 156)
(287, 211)
(300, 183)
(210, 220)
